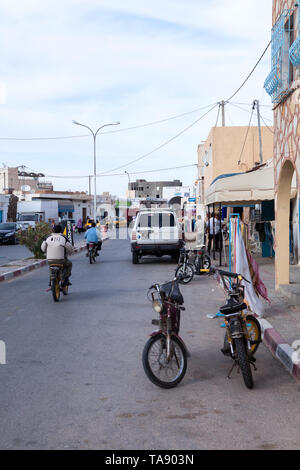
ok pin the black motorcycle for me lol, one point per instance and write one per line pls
(165, 354)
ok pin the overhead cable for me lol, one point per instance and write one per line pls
(249, 75)
(161, 145)
(140, 126)
(122, 174)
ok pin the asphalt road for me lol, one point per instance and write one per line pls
(10, 253)
(74, 376)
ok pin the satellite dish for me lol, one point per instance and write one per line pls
(25, 188)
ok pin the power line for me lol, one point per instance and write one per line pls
(123, 174)
(163, 144)
(249, 75)
(249, 112)
(267, 125)
(140, 126)
(240, 159)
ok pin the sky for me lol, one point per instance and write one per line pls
(136, 62)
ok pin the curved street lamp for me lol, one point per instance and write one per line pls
(94, 134)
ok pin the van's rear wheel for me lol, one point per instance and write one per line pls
(135, 258)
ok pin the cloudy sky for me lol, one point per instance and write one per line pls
(133, 61)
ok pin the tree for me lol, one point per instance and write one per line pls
(32, 238)
(12, 208)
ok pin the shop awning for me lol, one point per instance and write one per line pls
(252, 187)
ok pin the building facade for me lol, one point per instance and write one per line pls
(283, 85)
(226, 151)
(16, 181)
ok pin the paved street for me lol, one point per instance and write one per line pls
(74, 376)
(10, 253)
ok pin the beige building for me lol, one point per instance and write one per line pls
(283, 85)
(227, 150)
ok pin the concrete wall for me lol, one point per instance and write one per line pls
(222, 151)
(286, 161)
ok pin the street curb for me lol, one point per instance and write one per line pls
(279, 348)
(36, 265)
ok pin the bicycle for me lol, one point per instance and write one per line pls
(243, 332)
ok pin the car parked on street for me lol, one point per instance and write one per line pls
(155, 232)
(8, 232)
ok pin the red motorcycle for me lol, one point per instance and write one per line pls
(165, 354)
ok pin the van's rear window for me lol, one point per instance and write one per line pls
(157, 220)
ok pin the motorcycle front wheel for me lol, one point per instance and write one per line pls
(185, 273)
(159, 370)
(243, 360)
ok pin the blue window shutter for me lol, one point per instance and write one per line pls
(277, 82)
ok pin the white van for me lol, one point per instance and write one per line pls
(155, 232)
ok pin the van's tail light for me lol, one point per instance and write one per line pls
(133, 236)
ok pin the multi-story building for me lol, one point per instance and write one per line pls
(227, 150)
(150, 189)
(18, 181)
(283, 85)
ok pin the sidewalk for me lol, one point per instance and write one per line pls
(23, 266)
(281, 324)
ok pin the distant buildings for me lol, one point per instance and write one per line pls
(149, 189)
(18, 181)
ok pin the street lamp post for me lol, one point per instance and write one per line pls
(94, 134)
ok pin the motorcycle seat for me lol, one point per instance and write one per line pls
(232, 307)
(171, 290)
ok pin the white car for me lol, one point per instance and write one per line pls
(155, 232)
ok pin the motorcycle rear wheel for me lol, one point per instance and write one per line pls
(55, 288)
(159, 371)
(187, 273)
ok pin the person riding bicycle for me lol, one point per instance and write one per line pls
(93, 235)
(57, 247)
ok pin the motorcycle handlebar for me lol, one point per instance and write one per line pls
(228, 274)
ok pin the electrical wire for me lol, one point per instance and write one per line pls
(249, 75)
(269, 128)
(218, 114)
(123, 174)
(140, 126)
(163, 144)
(249, 112)
(240, 159)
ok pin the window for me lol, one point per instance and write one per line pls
(279, 80)
(158, 220)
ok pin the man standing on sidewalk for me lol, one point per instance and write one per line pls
(213, 227)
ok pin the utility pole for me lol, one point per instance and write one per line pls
(223, 113)
(256, 103)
